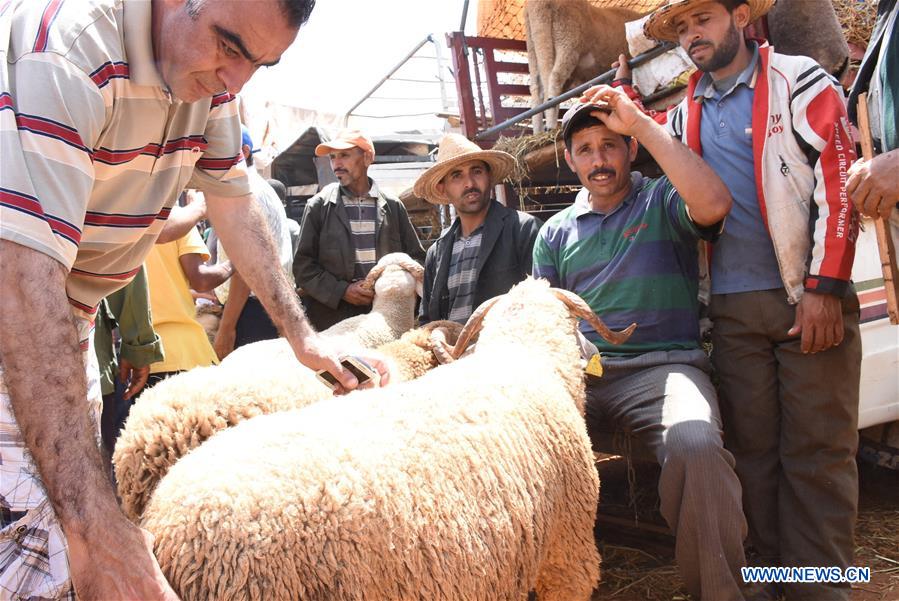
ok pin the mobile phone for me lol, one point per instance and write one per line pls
(356, 366)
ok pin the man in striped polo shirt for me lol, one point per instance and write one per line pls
(628, 246)
(108, 109)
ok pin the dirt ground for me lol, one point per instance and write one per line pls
(638, 560)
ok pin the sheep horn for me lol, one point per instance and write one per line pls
(439, 346)
(472, 326)
(581, 309)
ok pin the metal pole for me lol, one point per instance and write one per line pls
(464, 17)
(444, 99)
(604, 78)
(346, 115)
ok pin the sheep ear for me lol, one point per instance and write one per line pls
(580, 308)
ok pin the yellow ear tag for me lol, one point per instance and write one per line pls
(594, 366)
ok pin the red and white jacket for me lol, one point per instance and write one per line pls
(803, 149)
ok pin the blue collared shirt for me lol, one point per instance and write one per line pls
(743, 257)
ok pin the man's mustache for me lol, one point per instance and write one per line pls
(698, 43)
(470, 190)
(602, 171)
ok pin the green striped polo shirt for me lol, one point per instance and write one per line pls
(638, 263)
(95, 150)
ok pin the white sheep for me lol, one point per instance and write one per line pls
(181, 412)
(396, 280)
(569, 42)
(475, 481)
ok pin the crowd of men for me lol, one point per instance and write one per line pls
(752, 219)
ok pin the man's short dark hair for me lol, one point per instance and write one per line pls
(296, 11)
(585, 123)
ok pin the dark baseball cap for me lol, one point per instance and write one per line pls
(577, 115)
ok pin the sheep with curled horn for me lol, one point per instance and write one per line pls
(475, 481)
(396, 280)
(183, 411)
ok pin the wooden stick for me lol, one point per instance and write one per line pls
(881, 228)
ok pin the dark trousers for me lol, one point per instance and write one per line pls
(254, 324)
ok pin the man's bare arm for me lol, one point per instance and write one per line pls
(704, 193)
(201, 276)
(225, 338)
(110, 558)
(181, 219)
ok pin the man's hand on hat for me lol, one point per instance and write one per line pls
(615, 110)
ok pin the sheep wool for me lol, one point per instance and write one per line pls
(181, 412)
(475, 481)
(395, 280)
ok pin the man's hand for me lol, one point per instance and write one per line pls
(623, 116)
(105, 567)
(357, 295)
(873, 185)
(135, 378)
(224, 341)
(622, 69)
(819, 318)
(316, 353)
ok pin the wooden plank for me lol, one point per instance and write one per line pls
(497, 43)
(510, 89)
(881, 227)
(496, 104)
(456, 42)
(507, 67)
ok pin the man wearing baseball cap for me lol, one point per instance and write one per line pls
(785, 342)
(628, 247)
(346, 228)
(487, 249)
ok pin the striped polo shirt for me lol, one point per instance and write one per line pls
(362, 212)
(637, 263)
(95, 150)
(463, 274)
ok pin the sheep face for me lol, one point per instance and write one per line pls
(394, 281)
(401, 260)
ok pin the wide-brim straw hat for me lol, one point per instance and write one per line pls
(660, 24)
(453, 151)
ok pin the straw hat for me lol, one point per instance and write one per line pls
(452, 152)
(660, 27)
